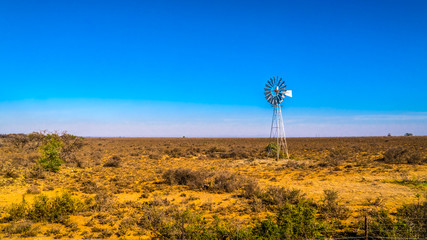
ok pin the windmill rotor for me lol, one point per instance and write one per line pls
(276, 88)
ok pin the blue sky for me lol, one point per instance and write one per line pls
(197, 68)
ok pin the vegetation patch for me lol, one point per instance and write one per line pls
(186, 188)
(43, 208)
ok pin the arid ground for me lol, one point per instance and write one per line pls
(195, 188)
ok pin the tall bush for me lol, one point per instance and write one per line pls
(51, 153)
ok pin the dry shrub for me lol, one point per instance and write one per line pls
(226, 181)
(399, 155)
(103, 233)
(18, 140)
(33, 190)
(89, 187)
(214, 152)
(18, 161)
(10, 173)
(251, 189)
(185, 176)
(71, 144)
(331, 208)
(114, 161)
(96, 156)
(103, 201)
(155, 156)
(196, 179)
(377, 202)
(53, 231)
(416, 158)
(176, 153)
(336, 157)
(153, 219)
(36, 172)
(24, 228)
(292, 164)
(128, 223)
(275, 195)
(235, 154)
(158, 201)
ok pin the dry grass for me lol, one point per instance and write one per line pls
(131, 187)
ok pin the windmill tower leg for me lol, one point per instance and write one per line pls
(277, 132)
(282, 134)
(278, 117)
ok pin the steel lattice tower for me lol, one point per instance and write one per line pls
(275, 94)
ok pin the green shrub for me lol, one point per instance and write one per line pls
(412, 220)
(18, 210)
(54, 209)
(296, 221)
(381, 224)
(408, 224)
(51, 153)
(224, 230)
(331, 209)
(271, 151)
(184, 225)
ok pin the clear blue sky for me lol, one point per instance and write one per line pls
(197, 68)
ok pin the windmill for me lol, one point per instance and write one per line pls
(275, 93)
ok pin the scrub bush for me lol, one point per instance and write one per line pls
(55, 209)
(51, 153)
(296, 221)
(185, 176)
(114, 161)
(271, 151)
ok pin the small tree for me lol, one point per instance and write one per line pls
(51, 153)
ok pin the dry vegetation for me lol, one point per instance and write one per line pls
(184, 188)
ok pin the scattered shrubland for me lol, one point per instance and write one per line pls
(62, 186)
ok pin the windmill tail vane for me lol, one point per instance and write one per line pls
(275, 92)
